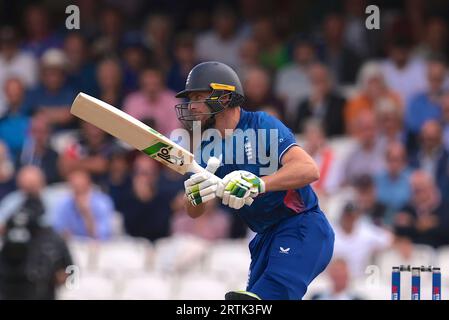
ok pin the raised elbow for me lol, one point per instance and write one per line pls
(315, 173)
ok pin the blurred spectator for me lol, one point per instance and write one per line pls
(365, 43)
(184, 60)
(85, 212)
(80, 69)
(30, 182)
(373, 93)
(357, 240)
(7, 171)
(273, 53)
(445, 119)
(53, 98)
(434, 42)
(110, 38)
(37, 150)
(390, 123)
(222, 43)
(135, 58)
(340, 277)
(258, 94)
(431, 155)
(366, 198)
(157, 38)
(400, 67)
(39, 37)
(90, 152)
(367, 157)
(425, 219)
(14, 62)
(147, 210)
(342, 61)
(316, 146)
(249, 56)
(117, 182)
(323, 104)
(292, 82)
(214, 223)
(392, 184)
(425, 105)
(109, 78)
(33, 258)
(14, 124)
(153, 101)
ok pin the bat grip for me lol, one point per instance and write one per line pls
(196, 168)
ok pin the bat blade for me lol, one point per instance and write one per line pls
(130, 130)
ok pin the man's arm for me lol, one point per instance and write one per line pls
(298, 170)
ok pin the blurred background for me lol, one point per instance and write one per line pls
(371, 107)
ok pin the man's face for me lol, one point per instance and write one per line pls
(197, 107)
(151, 83)
(53, 78)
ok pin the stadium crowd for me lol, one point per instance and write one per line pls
(370, 106)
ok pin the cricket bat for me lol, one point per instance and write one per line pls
(135, 133)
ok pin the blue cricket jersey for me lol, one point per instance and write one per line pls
(270, 208)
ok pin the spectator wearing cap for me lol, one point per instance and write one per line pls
(80, 69)
(153, 101)
(89, 152)
(118, 180)
(222, 43)
(390, 123)
(403, 73)
(110, 82)
(53, 97)
(14, 124)
(258, 93)
(366, 198)
(85, 211)
(357, 239)
(184, 60)
(392, 184)
(367, 156)
(373, 94)
(39, 37)
(340, 278)
(431, 156)
(14, 63)
(323, 104)
(425, 219)
(38, 151)
(425, 105)
(292, 82)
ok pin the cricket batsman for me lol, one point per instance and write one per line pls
(294, 241)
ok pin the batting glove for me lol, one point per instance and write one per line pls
(201, 187)
(239, 185)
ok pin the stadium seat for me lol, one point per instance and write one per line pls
(200, 287)
(123, 255)
(84, 252)
(89, 286)
(229, 260)
(146, 287)
(179, 254)
(319, 284)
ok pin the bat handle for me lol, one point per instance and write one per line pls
(196, 168)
